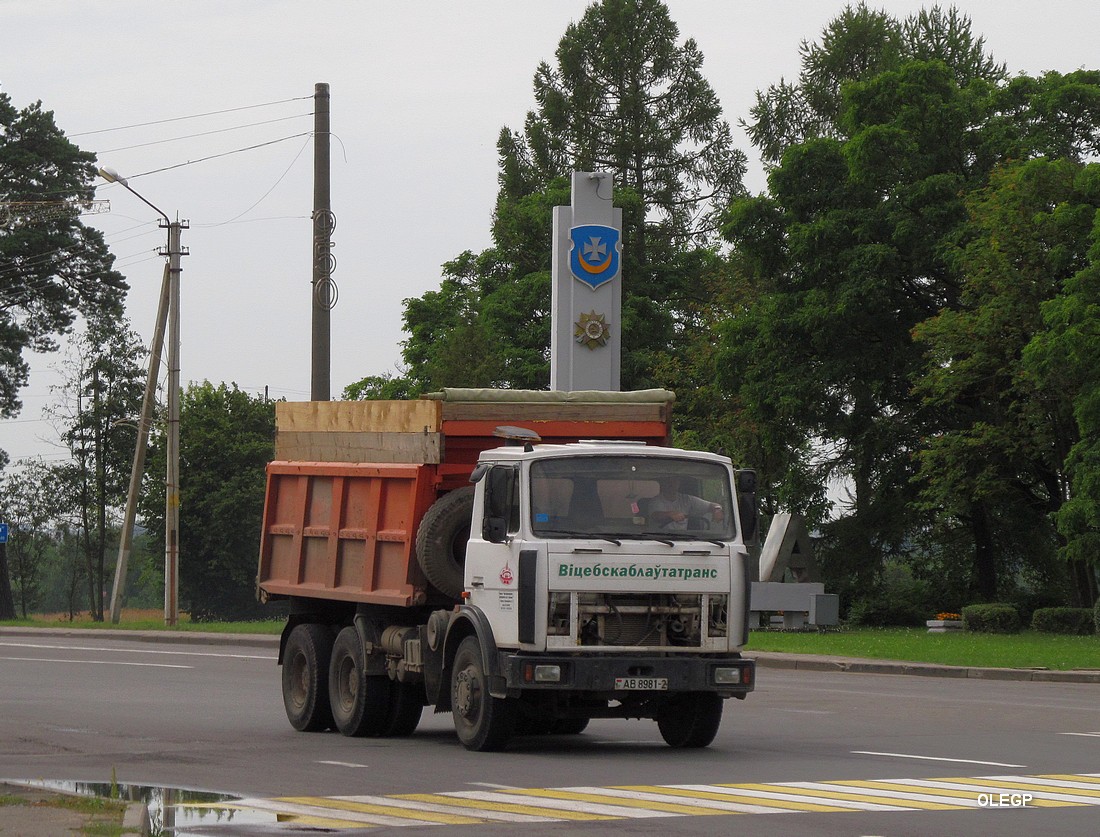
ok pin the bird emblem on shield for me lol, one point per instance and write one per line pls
(594, 254)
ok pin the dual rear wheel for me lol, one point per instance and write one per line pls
(325, 684)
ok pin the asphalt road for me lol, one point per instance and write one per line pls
(210, 717)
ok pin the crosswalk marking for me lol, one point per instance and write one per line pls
(562, 803)
(597, 795)
(586, 803)
(499, 804)
(874, 801)
(386, 809)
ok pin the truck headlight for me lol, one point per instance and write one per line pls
(542, 673)
(730, 675)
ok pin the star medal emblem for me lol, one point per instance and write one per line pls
(591, 330)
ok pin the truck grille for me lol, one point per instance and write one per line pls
(649, 620)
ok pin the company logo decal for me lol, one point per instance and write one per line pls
(506, 576)
(594, 254)
(634, 571)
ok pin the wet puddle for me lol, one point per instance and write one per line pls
(172, 810)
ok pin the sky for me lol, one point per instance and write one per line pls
(206, 106)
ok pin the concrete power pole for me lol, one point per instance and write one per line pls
(324, 291)
(172, 480)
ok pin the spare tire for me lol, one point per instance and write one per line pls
(441, 540)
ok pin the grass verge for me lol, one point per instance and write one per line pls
(146, 620)
(1028, 649)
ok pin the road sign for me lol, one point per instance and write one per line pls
(3, 532)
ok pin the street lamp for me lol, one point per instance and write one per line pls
(169, 309)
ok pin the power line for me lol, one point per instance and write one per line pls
(204, 133)
(265, 194)
(223, 154)
(192, 116)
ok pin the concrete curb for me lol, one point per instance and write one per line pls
(807, 662)
(764, 659)
(170, 637)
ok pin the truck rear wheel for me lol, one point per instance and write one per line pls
(360, 702)
(441, 540)
(305, 677)
(690, 720)
(482, 722)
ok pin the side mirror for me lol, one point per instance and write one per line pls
(746, 482)
(746, 505)
(494, 529)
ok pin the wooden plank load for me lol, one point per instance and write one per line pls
(451, 428)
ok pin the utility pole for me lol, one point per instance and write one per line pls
(172, 481)
(172, 478)
(126, 541)
(323, 296)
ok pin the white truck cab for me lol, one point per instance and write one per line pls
(610, 579)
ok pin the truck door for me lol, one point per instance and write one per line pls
(492, 557)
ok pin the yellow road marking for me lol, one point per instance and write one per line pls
(508, 807)
(764, 802)
(897, 802)
(385, 810)
(957, 793)
(1023, 784)
(620, 801)
(1072, 777)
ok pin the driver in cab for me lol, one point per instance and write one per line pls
(671, 508)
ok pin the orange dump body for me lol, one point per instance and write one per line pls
(345, 531)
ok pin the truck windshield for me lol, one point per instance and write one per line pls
(659, 498)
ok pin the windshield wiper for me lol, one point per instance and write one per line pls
(660, 537)
(701, 539)
(597, 535)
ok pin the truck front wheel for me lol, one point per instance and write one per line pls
(690, 720)
(305, 677)
(360, 702)
(483, 722)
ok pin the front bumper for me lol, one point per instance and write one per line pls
(596, 673)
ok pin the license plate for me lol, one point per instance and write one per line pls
(646, 684)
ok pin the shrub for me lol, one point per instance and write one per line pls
(1096, 616)
(1063, 620)
(899, 599)
(881, 612)
(991, 618)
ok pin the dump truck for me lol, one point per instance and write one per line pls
(527, 561)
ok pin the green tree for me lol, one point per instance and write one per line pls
(1065, 357)
(380, 388)
(29, 503)
(52, 267)
(1005, 432)
(624, 96)
(857, 45)
(102, 392)
(227, 437)
(855, 244)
